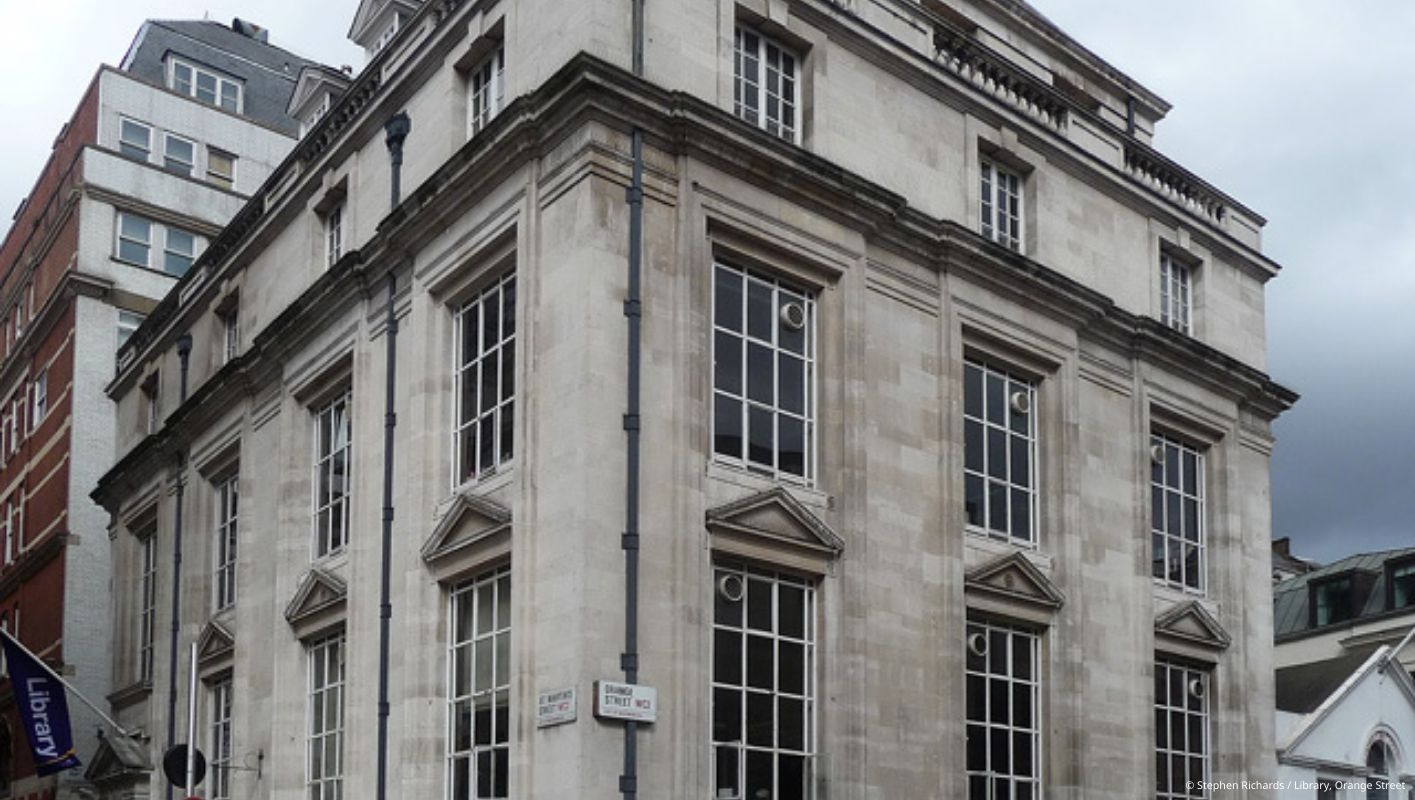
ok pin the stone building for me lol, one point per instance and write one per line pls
(856, 375)
(159, 153)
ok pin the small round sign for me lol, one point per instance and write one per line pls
(174, 766)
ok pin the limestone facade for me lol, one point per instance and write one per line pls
(870, 219)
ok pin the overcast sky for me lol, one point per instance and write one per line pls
(1300, 110)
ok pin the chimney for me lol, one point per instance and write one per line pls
(251, 30)
(1283, 546)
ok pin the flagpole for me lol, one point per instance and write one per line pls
(1394, 654)
(66, 684)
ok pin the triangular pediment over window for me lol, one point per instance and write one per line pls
(472, 531)
(319, 603)
(775, 527)
(1012, 586)
(119, 762)
(1189, 627)
(215, 644)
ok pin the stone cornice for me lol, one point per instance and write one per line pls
(589, 90)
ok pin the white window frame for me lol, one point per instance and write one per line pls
(132, 149)
(1176, 293)
(147, 604)
(16, 408)
(982, 673)
(979, 479)
(328, 512)
(224, 180)
(10, 549)
(1002, 208)
(733, 689)
(326, 658)
(152, 394)
(1174, 484)
(760, 63)
(486, 90)
(226, 505)
(473, 627)
(120, 238)
(220, 82)
(734, 330)
(470, 463)
(389, 34)
(333, 234)
(1194, 713)
(128, 324)
(187, 167)
(230, 335)
(221, 740)
(168, 253)
(40, 397)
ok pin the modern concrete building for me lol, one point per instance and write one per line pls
(157, 156)
(858, 376)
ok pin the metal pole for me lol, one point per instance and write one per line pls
(1391, 656)
(396, 131)
(633, 313)
(56, 676)
(184, 351)
(192, 720)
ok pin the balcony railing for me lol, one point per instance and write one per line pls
(992, 74)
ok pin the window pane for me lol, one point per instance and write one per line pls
(728, 299)
(727, 422)
(727, 369)
(761, 436)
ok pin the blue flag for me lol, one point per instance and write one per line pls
(43, 708)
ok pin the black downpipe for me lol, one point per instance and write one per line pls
(396, 131)
(633, 311)
(184, 352)
(1130, 115)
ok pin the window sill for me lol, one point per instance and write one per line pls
(737, 475)
(1180, 594)
(487, 483)
(332, 562)
(980, 548)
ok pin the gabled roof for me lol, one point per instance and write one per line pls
(318, 591)
(468, 520)
(369, 10)
(214, 641)
(119, 759)
(1015, 578)
(775, 514)
(1191, 622)
(1374, 665)
(314, 77)
(1301, 688)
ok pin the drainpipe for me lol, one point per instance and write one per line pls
(633, 312)
(1130, 115)
(396, 130)
(184, 352)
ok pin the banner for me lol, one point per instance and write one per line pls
(44, 709)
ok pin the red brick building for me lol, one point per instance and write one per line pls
(157, 156)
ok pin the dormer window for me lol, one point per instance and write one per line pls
(1332, 601)
(204, 85)
(1402, 584)
(486, 91)
(388, 33)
